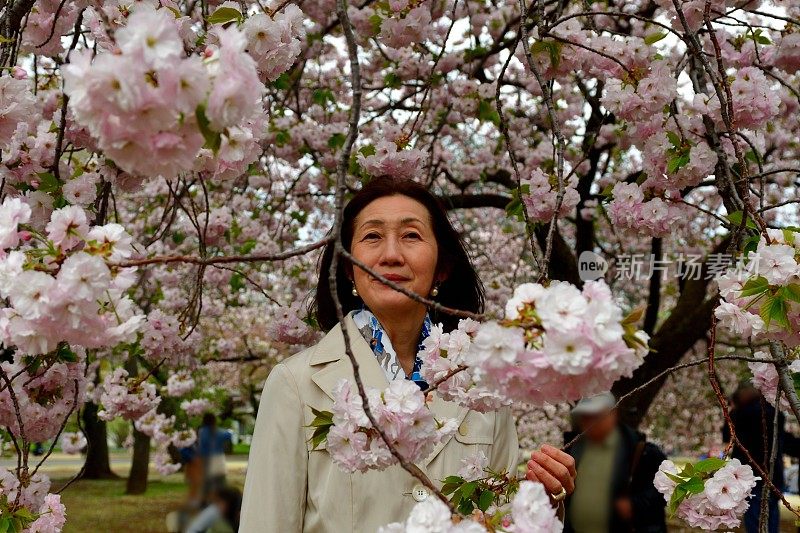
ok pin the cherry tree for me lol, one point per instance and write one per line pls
(171, 169)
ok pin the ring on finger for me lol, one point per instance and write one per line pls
(560, 496)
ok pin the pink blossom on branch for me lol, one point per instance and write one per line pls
(401, 413)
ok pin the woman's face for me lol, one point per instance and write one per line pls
(394, 236)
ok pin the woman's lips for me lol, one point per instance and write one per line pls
(394, 277)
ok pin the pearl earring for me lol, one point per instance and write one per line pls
(354, 291)
(435, 291)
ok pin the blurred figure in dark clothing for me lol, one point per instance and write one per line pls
(614, 491)
(752, 417)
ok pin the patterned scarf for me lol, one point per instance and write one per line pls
(381, 345)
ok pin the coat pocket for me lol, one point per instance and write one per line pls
(476, 428)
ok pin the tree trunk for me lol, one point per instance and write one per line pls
(137, 479)
(97, 464)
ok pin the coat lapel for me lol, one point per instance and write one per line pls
(331, 349)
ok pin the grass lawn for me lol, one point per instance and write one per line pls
(102, 505)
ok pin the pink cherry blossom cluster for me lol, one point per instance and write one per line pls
(17, 106)
(126, 397)
(473, 466)
(274, 42)
(557, 343)
(73, 443)
(530, 512)
(401, 413)
(287, 327)
(404, 27)
(540, 200)
(640, 101)
(44, 397)
(161, 339)
(196, 407)
(390, 160)
(779, 264)
(766, 379)
(444, 353)
(724, 498)
(432, 515)
(28, 153)
(161, 429)
(146, 102)
(180, 383)
(656, 217)
(46, 24)
(33, 495)
(52, 516)
(58, 284)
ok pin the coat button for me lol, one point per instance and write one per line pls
(462, 429)
(419, 493)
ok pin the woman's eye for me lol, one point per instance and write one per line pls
(370, 236)
(413, 235)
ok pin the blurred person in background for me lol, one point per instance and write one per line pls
(752, 418)
(614, 491)
(221, 515)
(211, 443)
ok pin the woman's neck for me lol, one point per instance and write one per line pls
(403, 330)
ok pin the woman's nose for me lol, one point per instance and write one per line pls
(391, 253)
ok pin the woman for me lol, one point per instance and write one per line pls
(400, 230)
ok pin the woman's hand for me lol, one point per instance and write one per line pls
(554, 469)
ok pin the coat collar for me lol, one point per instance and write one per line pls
(331, 349)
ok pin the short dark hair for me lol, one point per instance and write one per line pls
(462, 289)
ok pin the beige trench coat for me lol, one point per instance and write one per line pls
(290, 488)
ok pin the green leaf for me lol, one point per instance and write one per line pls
(791, 292)
(694, 486)
(474, 53)
(282, 83)
(678, 495)
(466, 507)
(485, 500)
(634, 316)
(449, 488)
(488, 113)
(673, 477)
(654, 37)
(751, 244)
(674, 139)
(468, 488)
(736, 219)
(712, 464)
(213, 138)
(336, 140)
(48, 183)
(282, 138)
(677, 162)
(321, 96)
(392, 80)
(5, 522)
(453, 479)
(774, 309)
(755, 286)
(223, 15)
(237, 282)
(375, 22)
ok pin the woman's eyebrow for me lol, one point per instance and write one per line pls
(382, 223)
